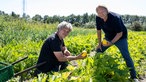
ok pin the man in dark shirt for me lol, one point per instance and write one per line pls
(115, 34)
(54, 53)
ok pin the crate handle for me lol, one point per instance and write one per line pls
(19, 60)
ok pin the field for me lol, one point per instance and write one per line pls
(19, 38)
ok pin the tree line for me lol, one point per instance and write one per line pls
(131, 21)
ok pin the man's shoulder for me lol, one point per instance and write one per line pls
(113, 14)
(52, 37)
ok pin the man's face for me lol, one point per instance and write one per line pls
(63, 32)
(102, 13)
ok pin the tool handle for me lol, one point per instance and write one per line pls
(26, 70)
(19, 60)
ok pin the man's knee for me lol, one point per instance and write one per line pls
(36, 72)
(63, 66)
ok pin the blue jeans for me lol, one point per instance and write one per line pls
(122, 45)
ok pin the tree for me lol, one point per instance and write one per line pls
(14, 15)
(85, 18)
(37, 17)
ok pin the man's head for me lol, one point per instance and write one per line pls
(102, 11)
(63, 29)
(64, 24)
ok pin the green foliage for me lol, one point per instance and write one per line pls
(20, 38)
(106, 69)
(79, 43)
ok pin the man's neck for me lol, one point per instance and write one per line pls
(58, 35)
(105, 19)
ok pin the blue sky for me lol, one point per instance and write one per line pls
(77, 7)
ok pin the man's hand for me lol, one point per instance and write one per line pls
(67, 53)
(107, 44)
(82, 55)
(99, 46)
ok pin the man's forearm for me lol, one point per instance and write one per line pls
(117, 37)
(99, 36)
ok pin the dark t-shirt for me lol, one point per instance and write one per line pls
(112, 26)
(53, 43)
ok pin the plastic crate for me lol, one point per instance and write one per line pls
(6, 72)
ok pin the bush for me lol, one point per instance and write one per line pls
(90, 25)
(136, 26)
(77, 24)
(144, 27)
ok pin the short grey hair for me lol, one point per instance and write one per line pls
(101, 6)
(65, 24)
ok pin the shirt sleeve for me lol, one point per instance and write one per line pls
(99, 23)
